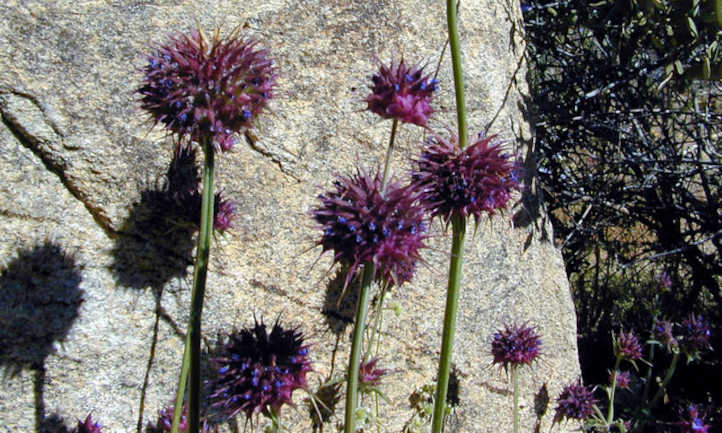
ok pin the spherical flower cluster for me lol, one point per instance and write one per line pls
(88, 426)
(258, 370)
(165, 422)
(664, 334)
(694, 422)
(623, 380)
(695, 334)
(478, 179)
(369, 375)
(363, 223)
(223, 212)
(627, 346)
(207, 89)
(515, 345)
(576, 401)
(402, 92)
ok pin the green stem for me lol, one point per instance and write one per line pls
(610, 409)
(451, 10)
(389, 153)
(667, 378)
(515, 384)
(192, 350)
(458, 225)
(354, 362)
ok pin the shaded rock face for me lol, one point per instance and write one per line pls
(83, 170)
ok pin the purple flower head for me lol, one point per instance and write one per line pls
(478, 179)
(695, 335)
(627, 346)
(402, 92)
(624, 378)
(515, 345)
(258, 370)
(361, 224)
(87, 426)
(165, 421)
(694, 422)
(199, 88)
(576, 401)
(369, 375)
(224, 210)
(664, 280)
(664, 334)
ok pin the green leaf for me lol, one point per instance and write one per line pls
(692, 28)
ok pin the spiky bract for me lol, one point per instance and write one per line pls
(88, 426)
(165, 421)
(363, 223)
(627, 346)
(623, 379)
(695, 335)
(476, 180)
(207, 88)
(402, 92)
(693, 422)
(576, 401)
(515, 345)
(369, 375)
(258, 370)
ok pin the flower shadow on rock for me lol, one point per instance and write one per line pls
(40, 298)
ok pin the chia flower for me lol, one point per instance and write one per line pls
(258, 370)
(515, 345)
(362, 224)
(695, 335)
(369, 375)
(402, 92)
(664, 280)
(477, 179)
(200, 88)
(165, 421)
(627, 346)
(224, 210)
(576, 401)
(624, 378)
(695, 421)
(88, 426)
(663, 333)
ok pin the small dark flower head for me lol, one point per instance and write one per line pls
(402, 92)
(663, 332)
(693, 422)
(207, 89)
(369, 375)
(515, 345)
(88, 426)
(576, 401)
(627, 346)
(165, 422)
(362, 224)
(224, 211)
(664, 280)
(476, 180)
(624, 378)
(695, 335)
(258, 370)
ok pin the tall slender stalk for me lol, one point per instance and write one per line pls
(458, 224)
(667, 377)
(515, 385)
(192, 350)
(610, 409)
(389, 153)
(362, 307)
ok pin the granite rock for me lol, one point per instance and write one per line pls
(95, 294)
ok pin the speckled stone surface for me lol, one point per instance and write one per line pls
(94, 303)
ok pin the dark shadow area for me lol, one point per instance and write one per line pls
(156, 241)
(53, 423)
(40, 296)
(541, 404)
(339, 308)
